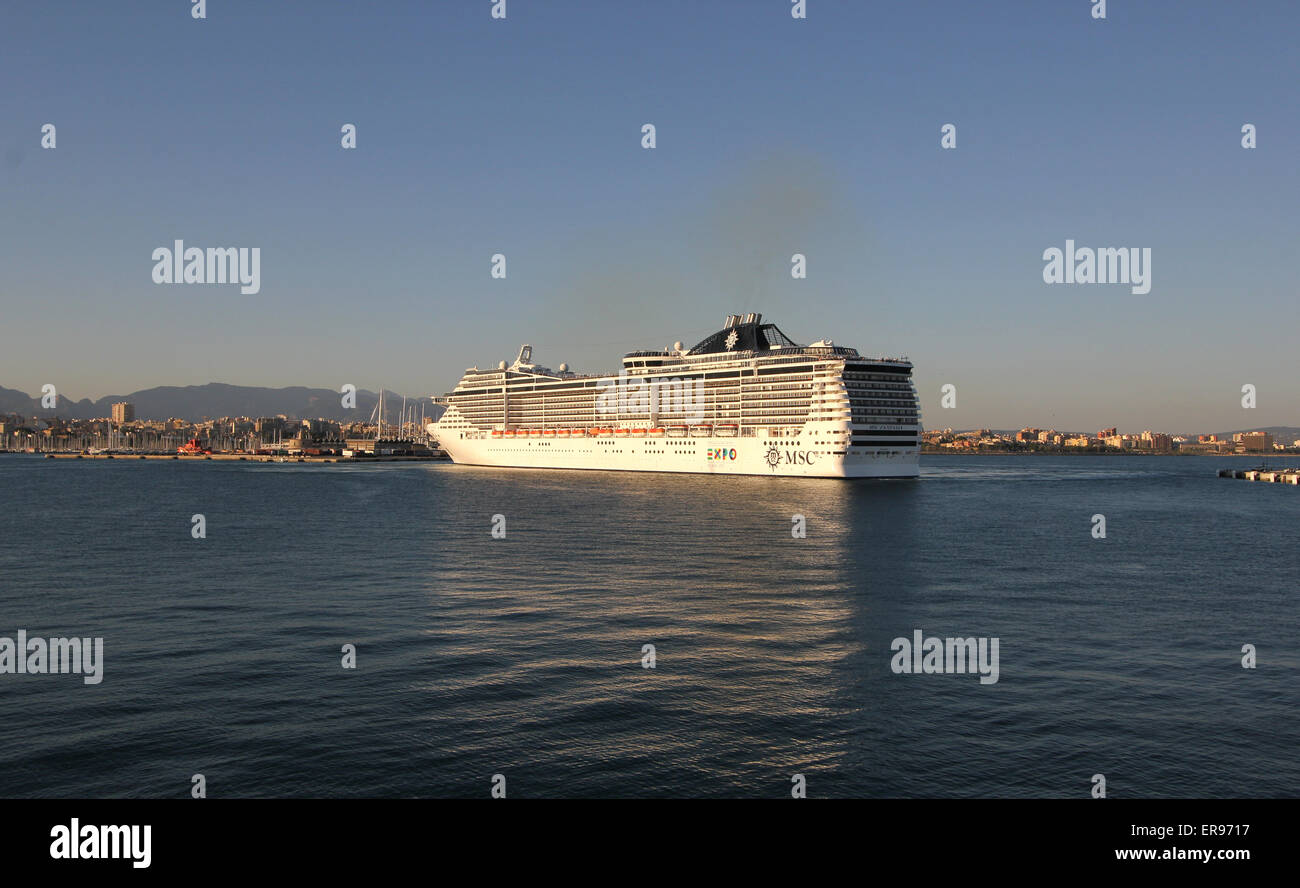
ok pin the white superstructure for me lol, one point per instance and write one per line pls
(744, 401)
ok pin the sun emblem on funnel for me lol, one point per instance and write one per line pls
(731, 340)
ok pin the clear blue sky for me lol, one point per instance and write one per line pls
(522, 136)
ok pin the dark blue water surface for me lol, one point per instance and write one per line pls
(522, 656)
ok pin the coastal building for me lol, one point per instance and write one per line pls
(1255, 442)
(123, 412)
(1155, 441)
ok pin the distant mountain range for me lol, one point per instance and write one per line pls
(215, 400)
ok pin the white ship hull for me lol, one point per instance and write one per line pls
(707, 456)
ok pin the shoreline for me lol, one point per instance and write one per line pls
(235, 457)
(264, 458)
(1137, 453)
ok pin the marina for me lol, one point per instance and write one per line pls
(431, 456)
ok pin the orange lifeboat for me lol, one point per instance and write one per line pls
(548, 433)
(534, 433)
(496, 433)
(562, 433)
(638, 433)
(620, 433)
(508, 433)
(656, 433)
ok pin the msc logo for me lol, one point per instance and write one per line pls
(775, 456)
(721, 453)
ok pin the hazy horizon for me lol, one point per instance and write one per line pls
(774, 137)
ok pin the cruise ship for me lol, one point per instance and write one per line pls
(747, 400)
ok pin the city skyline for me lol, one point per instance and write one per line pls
(367, 405)
(523, 138)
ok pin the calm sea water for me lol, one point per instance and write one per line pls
(522, 656)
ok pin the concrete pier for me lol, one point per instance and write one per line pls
(1269, 476)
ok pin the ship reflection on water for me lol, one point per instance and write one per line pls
(761, 636)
